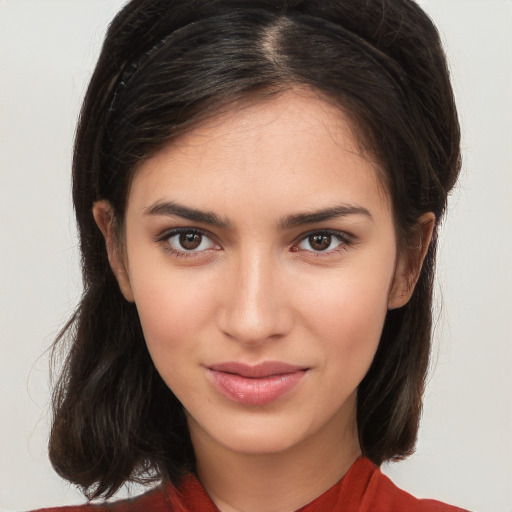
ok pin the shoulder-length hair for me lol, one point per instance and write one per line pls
(164, 66)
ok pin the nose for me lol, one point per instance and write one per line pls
(256, 308)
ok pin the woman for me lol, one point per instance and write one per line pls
(258, 187)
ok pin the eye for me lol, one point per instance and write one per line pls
(183, 241)
(323, 242)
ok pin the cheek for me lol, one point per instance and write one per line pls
(349, 324)
(172, 315)
(346, 315)
(172, 310)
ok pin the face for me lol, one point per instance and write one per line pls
(261, 254)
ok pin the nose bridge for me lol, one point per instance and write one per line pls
(257, 307)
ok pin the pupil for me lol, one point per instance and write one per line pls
(320, 242)
(190, 241)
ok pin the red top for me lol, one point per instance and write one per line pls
(363, 489)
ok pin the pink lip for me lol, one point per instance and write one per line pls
(255, 385)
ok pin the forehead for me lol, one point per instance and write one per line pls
(293, 142)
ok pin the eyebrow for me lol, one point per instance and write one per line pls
(171, 208)
(343, 210)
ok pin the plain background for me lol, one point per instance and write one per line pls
(47, 52)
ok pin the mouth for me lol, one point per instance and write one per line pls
(255, 385)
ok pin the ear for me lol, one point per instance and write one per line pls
(409, 264)
(104, 216)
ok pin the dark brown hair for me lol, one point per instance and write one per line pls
(165, 65)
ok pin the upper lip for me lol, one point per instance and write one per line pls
(265, 369)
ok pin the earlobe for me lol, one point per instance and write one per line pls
(409, 265)
(104, 216)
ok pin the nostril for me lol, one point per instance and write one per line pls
(252, 324)
(256, 308)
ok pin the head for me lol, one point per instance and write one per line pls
(172, 70)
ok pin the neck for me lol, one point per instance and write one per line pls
(276, 482)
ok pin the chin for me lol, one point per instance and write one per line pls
(260, 443)
(270, 436)
(256, 435)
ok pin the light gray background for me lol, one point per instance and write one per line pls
(47, 52)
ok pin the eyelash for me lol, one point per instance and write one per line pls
(345, 241)
(164, 241)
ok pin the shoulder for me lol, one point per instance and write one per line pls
(383, 495)
(188, 496)
(156, 500)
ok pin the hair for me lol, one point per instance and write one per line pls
(169, 64)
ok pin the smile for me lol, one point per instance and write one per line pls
(255, 385)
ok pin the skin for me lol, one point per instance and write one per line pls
(259, 288)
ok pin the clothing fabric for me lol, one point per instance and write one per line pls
(363, 489)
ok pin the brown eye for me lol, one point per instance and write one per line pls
(323, 241)
(190, 241)
(320, 242)
(184, 241)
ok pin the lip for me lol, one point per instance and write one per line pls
(260, 384)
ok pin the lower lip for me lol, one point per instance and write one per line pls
(255, 391)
